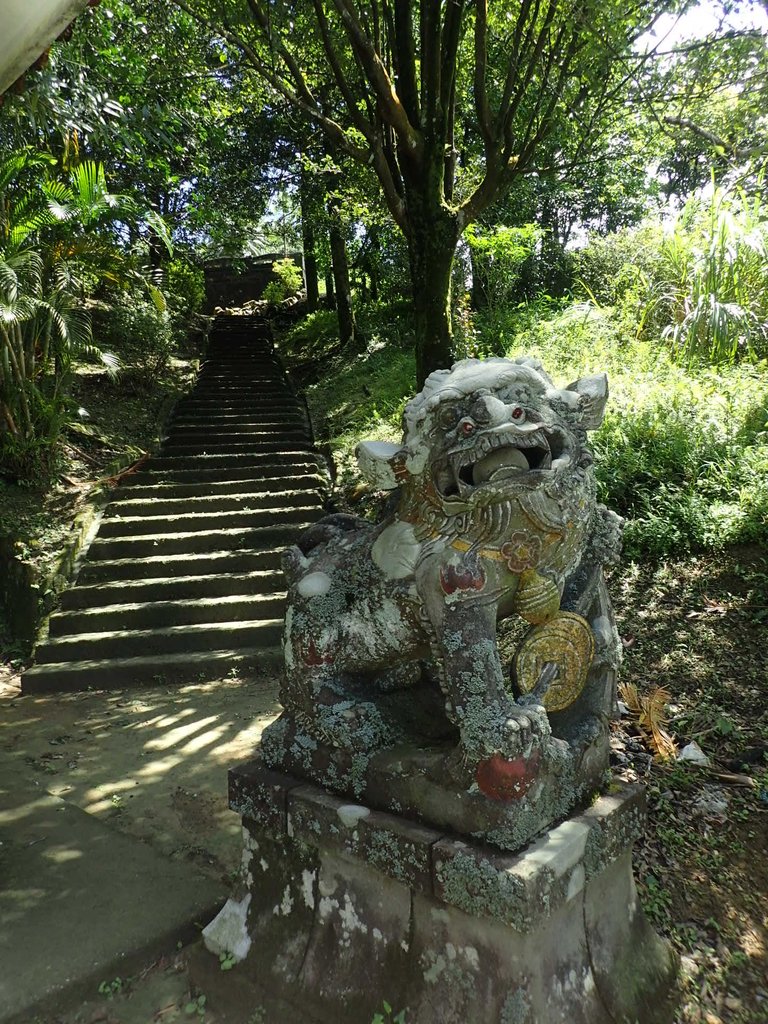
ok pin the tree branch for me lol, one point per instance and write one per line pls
(481, 65)
(391, 108)
(404, 54)
(740, 152)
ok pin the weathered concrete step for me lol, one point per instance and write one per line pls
(161, 614)
(237, 385)
(286, 401)
(240, 501)
(228, 447)
(281, 455)
(231, 351)
(145, 546)
(184, 667)
(261, 432)
(161, 522)
(231, 444)
(172, 588)
(136, 643)
(154, 567)
(265, 471)
(247, 410)
(257, 370)
(225, 423)
(224, 484)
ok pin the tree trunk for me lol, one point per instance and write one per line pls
(343, 292)
(431, 249)
(308, 244)
(479, 283)
(310, 265)
(330, 297)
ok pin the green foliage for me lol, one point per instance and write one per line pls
(683, 450)
(185, 285)
(498, 257)
(196, 1006)
(387, 1016)
(110, 989)
(702, 284)
(56, 245)
(140, 332)
(227, 961)
(312, 337)
(289, 281)
(362, 395)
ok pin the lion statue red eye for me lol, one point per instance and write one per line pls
(518, 413)
(467, 428)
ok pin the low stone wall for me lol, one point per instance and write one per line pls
(231, 282)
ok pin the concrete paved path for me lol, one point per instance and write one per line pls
(116, 841)
(81, 904)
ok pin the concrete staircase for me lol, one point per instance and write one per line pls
(183, 579)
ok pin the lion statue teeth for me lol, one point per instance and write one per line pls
(495, 517)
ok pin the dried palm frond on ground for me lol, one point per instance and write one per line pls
(650, 711)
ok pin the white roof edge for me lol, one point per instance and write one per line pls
(28, 29)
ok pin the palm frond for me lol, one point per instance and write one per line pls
(650, 711)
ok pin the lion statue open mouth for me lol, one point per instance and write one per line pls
(496, 516)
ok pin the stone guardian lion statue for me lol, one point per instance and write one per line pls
(494, 515)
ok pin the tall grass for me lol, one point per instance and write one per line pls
(701, 284)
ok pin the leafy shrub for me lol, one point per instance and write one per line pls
(289, 281)
(185, 287)
(498, 258)
(683, 451)
(140, 333)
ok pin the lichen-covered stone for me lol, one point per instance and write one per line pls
(397, 847)
(495, 516)
(552, 935)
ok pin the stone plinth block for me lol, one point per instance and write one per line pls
(343, 907)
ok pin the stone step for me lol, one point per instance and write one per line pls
(160, 614)
(240, 501)
(223, 484)
(269, 443)
(237, 401)
(281, 455)
(246, 410)
(172, 588)
(162, 669)
(269, 537)
(263, 471)
(237, 386)
(257, 371)
(292, 432)
(162, 521)
(224, 423)
(134, 643)
(158, 567)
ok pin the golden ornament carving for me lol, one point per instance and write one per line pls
(567, 642)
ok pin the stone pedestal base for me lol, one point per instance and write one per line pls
(343, 908)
